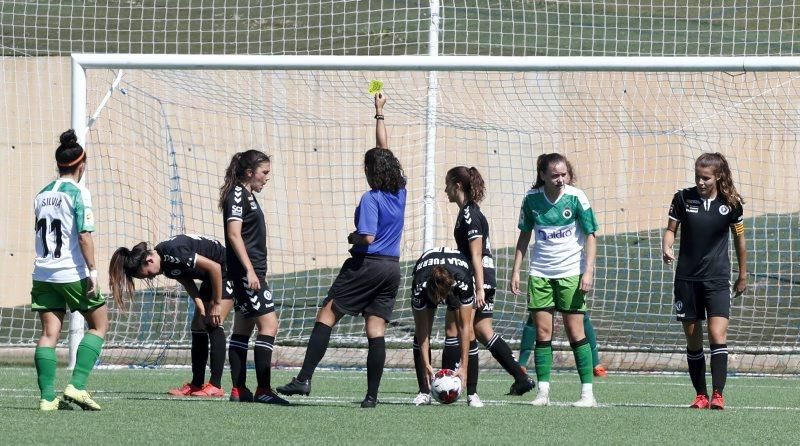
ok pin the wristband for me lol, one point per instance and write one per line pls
(93, 274)
(379, 117)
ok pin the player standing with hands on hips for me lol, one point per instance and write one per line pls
(65, 276)
(705, 214)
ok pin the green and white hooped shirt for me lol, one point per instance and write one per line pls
(63, 210)
(559, 231)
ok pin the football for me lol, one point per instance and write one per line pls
(445, 387)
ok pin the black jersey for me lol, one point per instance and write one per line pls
(471, 224)
(241, 205)
(179, 256)
(705, 226)
(455, 263)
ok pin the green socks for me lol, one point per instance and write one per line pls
(583, 360)
(46, 363)
(543, 357)
(526, 343)
(588, 328)
(88, 352)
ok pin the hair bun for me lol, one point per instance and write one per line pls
(68, 137)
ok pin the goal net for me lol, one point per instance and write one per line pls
(162, 142)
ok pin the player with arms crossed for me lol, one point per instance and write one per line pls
(185, 258)
(561, 268)
(440, 276)
(466, 188)
(246, 258)
(65, 276)
(368, 281)
(705, 214)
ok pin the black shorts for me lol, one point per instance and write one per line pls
(696, 299)
(251, 303)
(206, 290)
(488, 307)
(452, 302)
(366, 285)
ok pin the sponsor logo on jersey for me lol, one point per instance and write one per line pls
(567, 213)
(724, 210)
(561, 233)
(236, 211)
(692, 209)
(253, 204)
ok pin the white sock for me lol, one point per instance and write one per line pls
(544, 387)
(586, 390)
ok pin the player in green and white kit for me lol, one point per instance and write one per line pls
(65, 276)
(561, 268)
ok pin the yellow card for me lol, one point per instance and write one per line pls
(375, 87)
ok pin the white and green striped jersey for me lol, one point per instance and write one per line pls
(559, 231)
(63, 210)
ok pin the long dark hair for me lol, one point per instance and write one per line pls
(383, 170)
(440, 284)
(237, 171)
(470, 180)
(124, 266)
(725, 185)
(544, 161)
(69, 153)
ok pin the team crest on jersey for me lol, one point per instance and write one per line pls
(567, 213)
(175, 272)
(724, 210)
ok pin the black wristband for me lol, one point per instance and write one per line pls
(379, 117)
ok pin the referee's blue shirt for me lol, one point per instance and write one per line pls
(381, 215)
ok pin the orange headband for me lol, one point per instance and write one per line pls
(74, 163)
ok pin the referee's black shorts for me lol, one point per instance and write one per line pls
(366, 285)
(696, 299)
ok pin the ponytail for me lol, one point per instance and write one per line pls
(470, 180)
(124, 266)
(237, 171)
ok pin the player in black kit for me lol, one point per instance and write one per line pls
(705, 214)
(185, 258)
(440, 276)
(465, 187)
(246, 255)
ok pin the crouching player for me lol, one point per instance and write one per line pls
(440, 276)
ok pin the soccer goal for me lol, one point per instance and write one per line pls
(162, 128)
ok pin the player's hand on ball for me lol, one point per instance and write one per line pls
(429, 372)
(461, 373)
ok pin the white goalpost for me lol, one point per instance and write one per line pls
(632, 127)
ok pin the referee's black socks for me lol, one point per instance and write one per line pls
(376, 357)
(719, 366)
(317, 346)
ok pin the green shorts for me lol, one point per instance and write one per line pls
(562, 294)
(46, 296)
